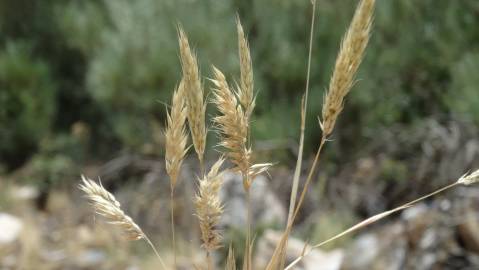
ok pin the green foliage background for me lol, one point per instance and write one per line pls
(111, 66)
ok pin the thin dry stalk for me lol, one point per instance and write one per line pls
(106, 205)
(466, 180)
(194, 93)
(247, 260)
(175, 147)
(304, 107)
(347, 63)
(245, 90)
(279, 251)
(230, 261)
(233, 126)
(172, 226)
(209, 209)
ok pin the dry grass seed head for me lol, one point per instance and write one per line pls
(196, 107)
(347, 63)
(209, 208)
(175, 135)
(232, 123)
(245, 90)
(107, 206)
(469, 179)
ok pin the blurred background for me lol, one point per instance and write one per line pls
(84, 87)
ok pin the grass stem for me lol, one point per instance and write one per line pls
(248, 231)
(172, 213)
(370, 221)
(209, 260)
(163, 265)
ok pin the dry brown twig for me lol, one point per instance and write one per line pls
(106, 205)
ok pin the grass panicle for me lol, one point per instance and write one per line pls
(209, 207)
(194, 92)
(235, 109)
(176, 137)
(469, 179)
(347, 63)
(106, 205)
(245, 90)
(232, 124)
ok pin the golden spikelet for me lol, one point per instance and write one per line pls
(469, 179)
(209, 208)
(196, 107)
(232, 123)
(107, 206)
(245, 90)
(347, 63)
(175, 135)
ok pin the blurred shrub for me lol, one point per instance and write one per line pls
(115, 62)
(464, 97)
(27, 102)
(407, 73)
(410, 68)
(134, 62)
(55, 164)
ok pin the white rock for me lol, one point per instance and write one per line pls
(91, 257)
(368, 246)
(316, 260)
(10, 228)
(54, 256)
(25, 193)
(267, 209)
(382, 249)
(414, 212)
